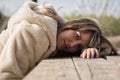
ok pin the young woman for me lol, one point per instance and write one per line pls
(31, 36)
(82, 37)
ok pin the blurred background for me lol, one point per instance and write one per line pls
(106, 12)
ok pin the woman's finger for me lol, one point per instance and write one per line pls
(92, 53)
(88, 53)
(97, 53)
(84, 54)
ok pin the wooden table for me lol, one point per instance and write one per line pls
(77, 69)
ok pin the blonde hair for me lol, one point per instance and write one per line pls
(81, 24)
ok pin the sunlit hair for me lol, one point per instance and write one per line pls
(81, 24)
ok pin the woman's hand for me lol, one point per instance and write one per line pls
(90, 53)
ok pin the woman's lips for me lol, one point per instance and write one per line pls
(65, 46)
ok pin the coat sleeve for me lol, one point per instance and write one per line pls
(22, 51)
(106, 48)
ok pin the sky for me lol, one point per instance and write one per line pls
(68, 7)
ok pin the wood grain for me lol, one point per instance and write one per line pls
(54, 69)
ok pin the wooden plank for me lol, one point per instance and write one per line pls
(114, 59)
(104, 70)
(54, 69)
(82, 68)
(96, 69)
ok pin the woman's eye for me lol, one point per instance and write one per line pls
(76, 37)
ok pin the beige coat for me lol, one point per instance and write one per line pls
(29, 38)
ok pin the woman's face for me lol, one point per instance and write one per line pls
(72, 40)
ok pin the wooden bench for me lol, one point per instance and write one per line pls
(77, 69)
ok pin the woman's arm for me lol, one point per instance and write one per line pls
(16, 55)
(22, 51)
